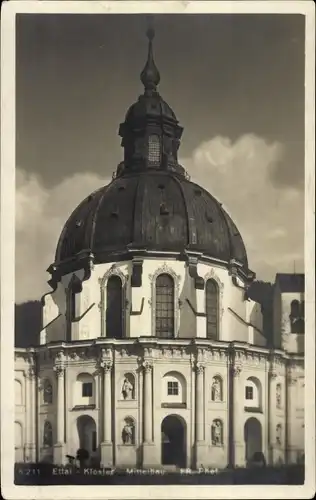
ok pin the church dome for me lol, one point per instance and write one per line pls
(150, 205)
(160, 211)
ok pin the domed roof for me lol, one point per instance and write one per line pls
(150, 205)
(146, 106)
(157, 210)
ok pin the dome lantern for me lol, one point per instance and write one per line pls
(150, 133)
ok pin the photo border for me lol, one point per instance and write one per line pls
(9, 11)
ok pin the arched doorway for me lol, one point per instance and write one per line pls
(253, 438)
(173, 441)
(87, 435)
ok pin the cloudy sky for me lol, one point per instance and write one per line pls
(236, 84)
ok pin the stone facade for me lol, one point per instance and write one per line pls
(233, 395)
(151, 352)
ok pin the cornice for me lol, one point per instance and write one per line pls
(86, 261)
(124, 349)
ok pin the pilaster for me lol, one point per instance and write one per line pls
(30, 438)
(238, 444)
(107, 443)
(200, 444)
(60, 447)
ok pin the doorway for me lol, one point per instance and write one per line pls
(253, 438)
(173, 441)
(87, 434)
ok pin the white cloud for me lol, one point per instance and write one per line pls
(270, 219)
(40, 216)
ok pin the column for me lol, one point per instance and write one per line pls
(147, 402)
(33, 435)
(201, 457)
(151, 452)
(271, 414)
(238, 447)
(60, 372)
(30, 411)
(107, 443)
(59, 447)
(107, 403)
(199, 405)
(291, 455)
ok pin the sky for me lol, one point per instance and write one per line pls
(236, 84)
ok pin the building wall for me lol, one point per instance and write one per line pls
(238, 361)
(139, 304)
(170, 361)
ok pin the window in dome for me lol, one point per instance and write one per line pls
(114, 302)
(211, 296)
(154, 150)
(164, 306)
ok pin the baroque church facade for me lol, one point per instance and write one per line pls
(152, 352)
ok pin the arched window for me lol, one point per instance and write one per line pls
(114, 307)
(174, 389)
(18, 392)
(164, 306)
(295, 308)
(84, 393)
(297, 316)
(211, 298)
(253, 394)
(47, 392)
(48, 434)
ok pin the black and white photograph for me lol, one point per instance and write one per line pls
(157, 237)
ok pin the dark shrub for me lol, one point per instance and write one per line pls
(82, 456)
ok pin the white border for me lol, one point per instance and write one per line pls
(9, 9)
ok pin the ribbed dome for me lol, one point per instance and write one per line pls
(153, 210)
(150, 205)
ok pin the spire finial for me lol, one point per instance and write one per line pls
(150, 76)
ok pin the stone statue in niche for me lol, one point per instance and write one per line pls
(279, 434)
(128, 432)
(127, 389)
(217, 434)
(216, 389)
(278, 396)
(48, 434)
(48, 392)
